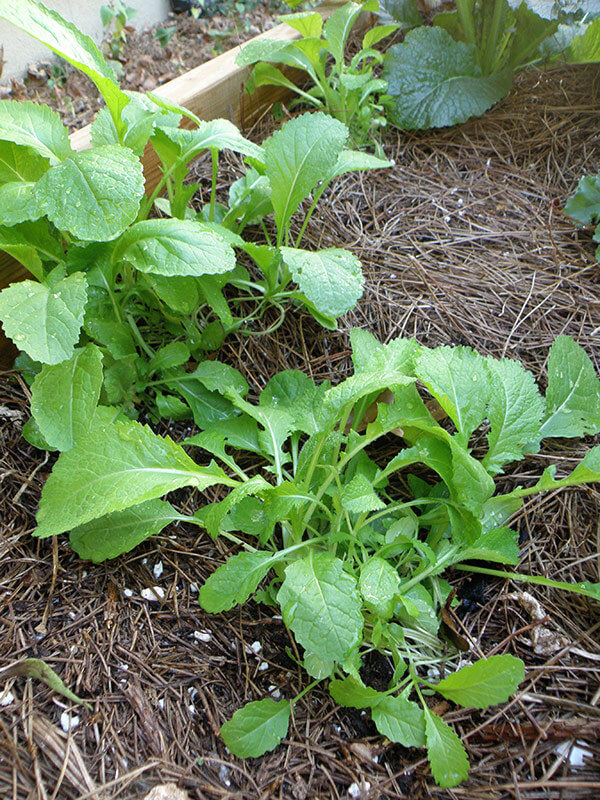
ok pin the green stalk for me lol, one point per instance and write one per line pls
(466, 17)
(214, 155)
(494, 36)
(586, 589)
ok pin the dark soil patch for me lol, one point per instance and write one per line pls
(463, 242)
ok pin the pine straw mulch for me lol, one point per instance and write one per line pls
(463, 242)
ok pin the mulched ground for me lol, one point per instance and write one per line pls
(463, 242)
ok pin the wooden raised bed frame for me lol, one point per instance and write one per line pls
(211, 91)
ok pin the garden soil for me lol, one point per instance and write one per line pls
(462, 242)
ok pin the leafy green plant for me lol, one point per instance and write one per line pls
(151, 292)
(457, 69)
(355, 545)
(348, 90)
(115, 17)
(164, 35)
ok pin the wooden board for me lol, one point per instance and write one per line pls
(212, 90)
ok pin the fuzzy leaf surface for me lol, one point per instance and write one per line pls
(93, 195)
(320, 604)
(45, 321)
(515, 412)
(114, 467)
(234, 581)
(174, 247)
(297, 157)
(447, 756)
(34, 126)
(118, 533)
(331, 279)
(485, 683)
(64, 397)
(435, 81)
(573, 393)
(257, 727)
(400, 720)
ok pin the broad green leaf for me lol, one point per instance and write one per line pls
(174, 247)
(277, 424)
(171, 355)
(587, 471)
(485, 683)
(359, 497)
(584, 204)
(64, 397)
(307, 23)
(338, 27)
(436, 82)
(459, 379)
(399, 352)
(180, 294)
(320, 604)
(207, 407)
(257, 727)
(586, 48)
(212, 518)
(116, 466)
(447, 755)
(352, 693)
(239, 432)
(19, 163)
(45, 321)
(118, 533)
(499, 545)
(31, 243)
(168, 406)
(471, 484)
(406, 12)
(379, 584)
(352, 161)
(34, 126)
(32, 434)
(530, 30)
(265, 74)
(374, 35)
(515, 412)
(420, 600)
(67, 41)
(17, 203)
(94, 194)
(249, 516)
(219, 377)
(276, 50)
(573, 393)
(401, 720)
(218, 133)
(235, 581)
(316, 667)
(331, 279)
(297, 157)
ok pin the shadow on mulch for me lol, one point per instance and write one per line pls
(463, 242)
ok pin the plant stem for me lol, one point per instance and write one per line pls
(578, 588)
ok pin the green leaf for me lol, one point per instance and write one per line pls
(447, 755)
(116, 466)
(38, 669)
(297, 157)
(213, 517)
(67, 41)
(34, 126)
(379, 584)
(171, 355)
(485, 683)
(316, 667)
(42, 320)
(459, 379)
(352, 693)
(207, 407)
(587, 471)
(515, 412)
(31, 243)
(174, 247)
(235, 581)
(17, 203)
(180, 294)
(353, 161)
(376, 34)
(406, 12)
(436, 82)
(19, 163)
(320, 604)
(294, 392)
(573, 394)
(586, 48)
(32, 434)
(257, 727)
(499, 544)
(94, 194)
(331, 279)
(219, 377)
(64, 397)
(307, 23)
(400, 720)
(118, 533)
(584, 204)
(218, 133)
(338, 27)
(358, 496)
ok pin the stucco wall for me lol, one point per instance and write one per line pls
(20, 49)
